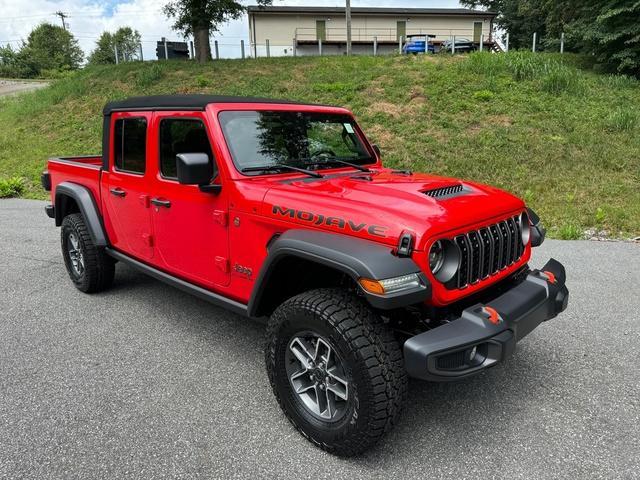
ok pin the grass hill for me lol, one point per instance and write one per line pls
(565, 139)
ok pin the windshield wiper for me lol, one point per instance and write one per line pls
(277, 168)
(334, 160)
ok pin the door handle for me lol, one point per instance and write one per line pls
(118, 192)
(161, 203)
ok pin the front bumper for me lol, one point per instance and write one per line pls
(486, 334)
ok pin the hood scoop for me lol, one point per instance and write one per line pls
(448, 191)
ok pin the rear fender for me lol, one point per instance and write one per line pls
(87, 206)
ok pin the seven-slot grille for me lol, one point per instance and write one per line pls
(488, 250)
(444, 191)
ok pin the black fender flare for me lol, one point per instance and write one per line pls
(353, 256)
(88, 208)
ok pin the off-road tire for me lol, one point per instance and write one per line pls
(98, 268)
(373, 360)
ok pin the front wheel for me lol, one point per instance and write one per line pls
(336, 370)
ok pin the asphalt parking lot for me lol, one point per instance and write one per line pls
(144, 381)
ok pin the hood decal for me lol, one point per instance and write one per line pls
(319, 219)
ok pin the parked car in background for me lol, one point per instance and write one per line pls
(461, 45)
(418, 44)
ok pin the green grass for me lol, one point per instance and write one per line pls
(11, 187)
(566, 140)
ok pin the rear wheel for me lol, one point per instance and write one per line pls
(336, 370)
(89, 267)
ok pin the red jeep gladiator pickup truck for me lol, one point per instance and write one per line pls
(283, 210)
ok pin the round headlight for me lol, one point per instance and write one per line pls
(436, 257)
(444, 258)
(525, 228)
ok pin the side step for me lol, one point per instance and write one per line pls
(219, 300)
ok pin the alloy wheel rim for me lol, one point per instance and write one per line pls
(317, 376)
(75, 254)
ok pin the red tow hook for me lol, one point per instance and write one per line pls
(551, 278)
(494, 316)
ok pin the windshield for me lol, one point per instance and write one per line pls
(299, 139)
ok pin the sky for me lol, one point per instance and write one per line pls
(87, 19)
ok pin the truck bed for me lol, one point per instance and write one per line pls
(84, 170)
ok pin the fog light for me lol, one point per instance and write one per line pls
(472, 353)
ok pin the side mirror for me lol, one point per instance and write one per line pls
(196, 169)
(376, 149)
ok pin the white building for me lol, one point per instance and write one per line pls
(301, 30)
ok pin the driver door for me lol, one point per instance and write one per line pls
(190, 225)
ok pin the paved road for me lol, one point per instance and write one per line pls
(9, 87)
(145, 381)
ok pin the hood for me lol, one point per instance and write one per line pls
(381, 205)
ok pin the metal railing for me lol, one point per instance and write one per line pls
(309, 34)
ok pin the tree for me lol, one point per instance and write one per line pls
(126, 39)
(49, 47)
(606, 30)
(200, 18)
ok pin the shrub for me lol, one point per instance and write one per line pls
(11, 187)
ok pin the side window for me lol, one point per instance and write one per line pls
(130, 144)
(181, 135)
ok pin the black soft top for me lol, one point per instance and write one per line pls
(183, 102)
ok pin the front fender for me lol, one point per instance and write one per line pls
(357, 258)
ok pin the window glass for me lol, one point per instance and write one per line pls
(130, 144)
(181, 135)
(268, 138)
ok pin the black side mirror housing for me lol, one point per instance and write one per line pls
(376, 149)
(196, 169)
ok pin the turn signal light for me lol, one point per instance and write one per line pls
(372, 286)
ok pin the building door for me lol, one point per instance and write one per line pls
(321, 30)
(477, 31)
(401, 30)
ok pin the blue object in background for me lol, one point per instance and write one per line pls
(417, 43)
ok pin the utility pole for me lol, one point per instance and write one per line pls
(348, 15)
(62, 16)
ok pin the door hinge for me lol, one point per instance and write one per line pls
(144, 201)
(223, 264)
(147, 238)
(220, 216)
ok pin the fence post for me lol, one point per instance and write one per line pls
(191, 49)
(268, 48)
(115, 50)
(141, 57)
(375, 45)
(295, 47)
(481, 41)
(166, 50)
(320, 46)
(533, 47)
(400, 44)
(506, 43)
(215, 45)
(562, 42)
(453, 44)
(242, 48)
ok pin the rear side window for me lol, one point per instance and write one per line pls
(130, 144)
(181, 135)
